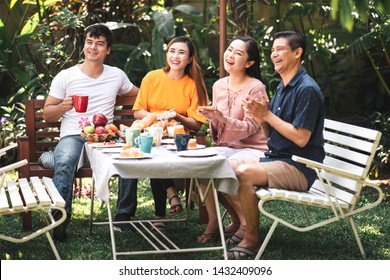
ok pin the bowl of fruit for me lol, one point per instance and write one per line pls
(98, 130)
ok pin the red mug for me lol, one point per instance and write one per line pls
(80, 103)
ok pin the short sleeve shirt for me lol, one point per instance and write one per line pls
(159, 93)
(102, 93)
(300, 103)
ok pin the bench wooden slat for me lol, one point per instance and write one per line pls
(263, 193)
(44, 146)
(340, 193)
(313, 197)
(53, 192)
(347, 141)
(28, 195)
(347, 184)
(44, 124)
(357, 170)
(14, 196)
(320, 198)
(45, 134)
(350, 155)
(367, 133)
(43, 197)
(4, 207)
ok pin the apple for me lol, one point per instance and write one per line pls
(100, 130)
(89, 129)
(99, 120)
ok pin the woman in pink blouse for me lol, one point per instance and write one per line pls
(236, 135)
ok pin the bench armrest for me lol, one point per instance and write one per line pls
(24, 148)
(24, 154)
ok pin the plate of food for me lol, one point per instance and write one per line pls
(111, 150)
(174, 148)
(141, 156)
(168, 141)
(197, 153)
(106, 144)
(131, 153)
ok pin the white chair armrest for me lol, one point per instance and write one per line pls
(9, 147)
(13, 166)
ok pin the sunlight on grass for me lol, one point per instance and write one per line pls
(371, 229)
(386, 253)
(11, 176)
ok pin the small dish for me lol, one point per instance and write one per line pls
(106, 145)
(111, 150)
(146, 155)
(174, 148)
(197, 153)
(168, 141)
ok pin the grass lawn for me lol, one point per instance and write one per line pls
(333, 242)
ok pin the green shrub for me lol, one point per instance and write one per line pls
(381, 163)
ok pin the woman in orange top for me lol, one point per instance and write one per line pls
(173, 93)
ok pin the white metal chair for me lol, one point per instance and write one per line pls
(349, 151)
(21, 196)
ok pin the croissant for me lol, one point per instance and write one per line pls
(145, 121)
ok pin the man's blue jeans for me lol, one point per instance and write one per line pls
(127, 196)
(66, 156)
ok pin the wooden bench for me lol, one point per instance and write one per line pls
(350, 150)
(42, 136)
(22, 196)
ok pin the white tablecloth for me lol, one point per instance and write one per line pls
(164, 164)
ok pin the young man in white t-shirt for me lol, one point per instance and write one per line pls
(102, 84)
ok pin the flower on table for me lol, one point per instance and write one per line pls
(83, 122)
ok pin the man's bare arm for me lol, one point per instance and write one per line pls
(133, 92)
(55, 108)
(259, 109)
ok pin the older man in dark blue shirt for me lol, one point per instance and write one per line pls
(295, 118)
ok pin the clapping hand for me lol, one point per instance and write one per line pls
(255, 107)
(210, 113)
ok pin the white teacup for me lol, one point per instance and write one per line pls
(157, 133)
(131, 134)
(171, 130)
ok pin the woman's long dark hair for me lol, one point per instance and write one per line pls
(252, 48)
(192, 69)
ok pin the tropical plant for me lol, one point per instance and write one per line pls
(381, 162)
(347, 10)
(11, 127)
(374, 41)
(365, 49)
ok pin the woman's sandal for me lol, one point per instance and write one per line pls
(208, 237)
(159, 225)
(175, 208)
